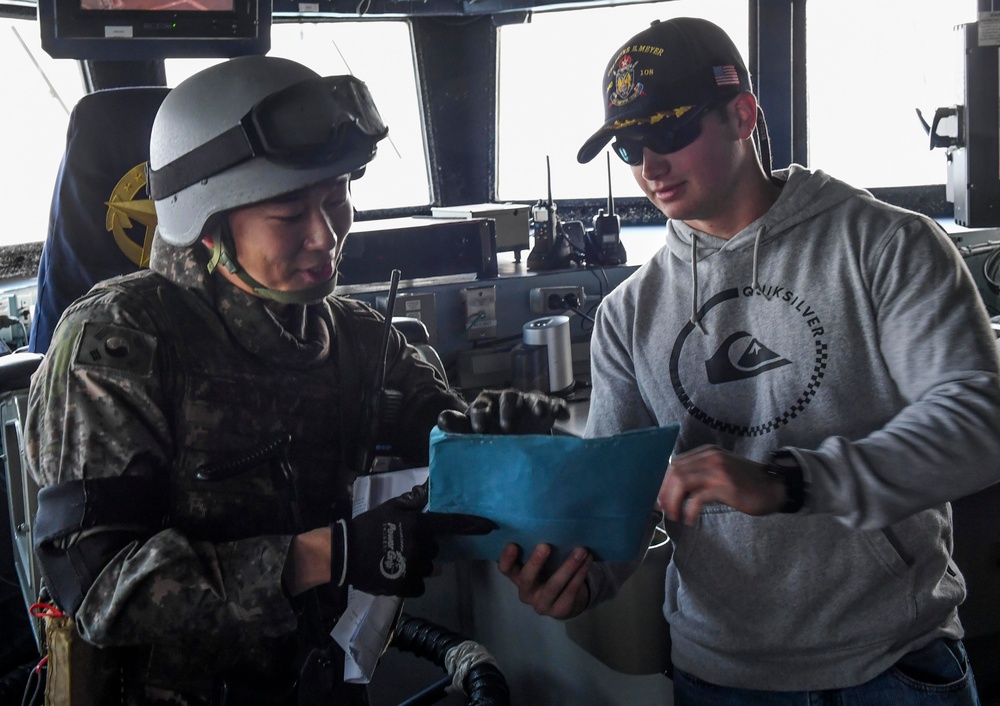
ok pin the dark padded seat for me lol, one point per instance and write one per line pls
(101, 220)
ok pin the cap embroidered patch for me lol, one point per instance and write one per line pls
(626, 87)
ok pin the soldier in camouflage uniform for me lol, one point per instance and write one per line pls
(198, 567)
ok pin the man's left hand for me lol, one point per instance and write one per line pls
(563, 594)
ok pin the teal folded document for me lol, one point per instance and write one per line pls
(561, 490)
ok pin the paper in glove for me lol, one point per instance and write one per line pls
(561, 490)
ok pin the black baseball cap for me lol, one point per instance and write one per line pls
(670, 71)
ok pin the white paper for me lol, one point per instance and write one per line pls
(363, 630)
(375, 489)
(988, 29)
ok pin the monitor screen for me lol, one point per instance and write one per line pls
(159, 5)
(137, 30)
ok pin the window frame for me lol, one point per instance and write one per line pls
(777, 37)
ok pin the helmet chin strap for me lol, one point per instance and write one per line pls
(224, 253)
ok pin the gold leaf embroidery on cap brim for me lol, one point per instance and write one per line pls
(652, 119)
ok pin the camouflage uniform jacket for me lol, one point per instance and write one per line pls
(165, 371)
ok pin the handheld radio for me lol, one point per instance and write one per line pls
(384, 407)
(605, 244)
(551, 250)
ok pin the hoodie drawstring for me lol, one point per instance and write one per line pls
(754, 284)
(695, 319)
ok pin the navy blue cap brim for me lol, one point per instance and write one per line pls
(596, 142)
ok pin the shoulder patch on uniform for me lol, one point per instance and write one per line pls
(116, 347)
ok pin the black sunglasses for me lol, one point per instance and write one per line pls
(661, 139)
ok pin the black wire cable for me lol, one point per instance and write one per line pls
(484, 683)
(990, 270)
(601, 285)
(576, 310)
(37, 677)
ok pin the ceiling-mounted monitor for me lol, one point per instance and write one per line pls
(136, 30)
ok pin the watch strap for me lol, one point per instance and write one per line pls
(785, 466)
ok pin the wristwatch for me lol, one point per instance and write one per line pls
(786, 467)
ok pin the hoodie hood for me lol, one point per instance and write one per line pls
(804, 194)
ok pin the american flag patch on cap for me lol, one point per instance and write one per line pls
(726, 75)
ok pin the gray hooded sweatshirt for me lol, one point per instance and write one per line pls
(851, 332)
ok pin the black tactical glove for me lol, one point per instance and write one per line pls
(506, 412)
(388, 549)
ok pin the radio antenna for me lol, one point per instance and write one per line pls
(548, 178)
(553, 224)
(611, 198)
(386, 329)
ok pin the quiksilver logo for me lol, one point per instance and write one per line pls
(729, 403)
(741, 356)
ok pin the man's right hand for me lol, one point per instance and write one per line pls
(564, 594)
(389, 549)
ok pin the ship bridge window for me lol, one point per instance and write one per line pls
(867, 76)
(550, 98)
(39, 94)
(398, 176)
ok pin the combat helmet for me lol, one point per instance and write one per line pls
(250, 129)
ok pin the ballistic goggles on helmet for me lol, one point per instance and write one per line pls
(663, 138)
(308, 124)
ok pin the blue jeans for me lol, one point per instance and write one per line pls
(936, 675)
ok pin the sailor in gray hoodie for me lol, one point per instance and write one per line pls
(836, 381)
